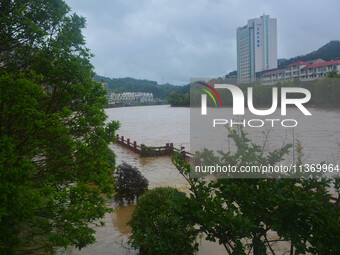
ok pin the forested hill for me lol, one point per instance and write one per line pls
(329, 51)
(119, 85)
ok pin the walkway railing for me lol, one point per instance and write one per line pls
(152, 151)
(167, 150)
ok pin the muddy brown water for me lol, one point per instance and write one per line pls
(156, 126)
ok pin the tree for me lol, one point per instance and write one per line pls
(55, 165)
(157, 229)
(177, 99)
(130, 183)
(240, 213)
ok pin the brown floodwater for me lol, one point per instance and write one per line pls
(158, 125)
(121, 217)
(151, 125)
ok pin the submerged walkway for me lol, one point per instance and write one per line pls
(152, 151)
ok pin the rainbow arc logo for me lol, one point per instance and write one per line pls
(209, 93)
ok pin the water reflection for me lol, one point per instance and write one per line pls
(121, 216)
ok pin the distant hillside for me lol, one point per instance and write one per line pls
(119, 85)
(329, 51)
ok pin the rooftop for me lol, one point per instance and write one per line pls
(332, 62)
(298, 63)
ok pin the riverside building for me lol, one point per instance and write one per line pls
(256, 48)
(302, 70)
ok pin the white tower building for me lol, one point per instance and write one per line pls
(256, 48)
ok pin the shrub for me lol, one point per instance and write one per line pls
(157, 228)
(130, 183)
(244, 213)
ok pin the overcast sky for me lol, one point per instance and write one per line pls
(175, 40)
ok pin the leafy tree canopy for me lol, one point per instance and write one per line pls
(177, 99)
(156, 227)
(130, 183)
(55, 165)
(248, 216)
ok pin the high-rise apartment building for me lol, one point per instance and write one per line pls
(256, 48)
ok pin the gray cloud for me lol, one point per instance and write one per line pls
(175, 40)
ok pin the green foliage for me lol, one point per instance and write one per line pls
(156, 227)
(240, 213)
(327, 91)
(147, 151)
(130, 183)
(55, 164)
(231, 74)
(333, 75)
(120, 85)
(177, 99)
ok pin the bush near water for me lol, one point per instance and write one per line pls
(157, 229)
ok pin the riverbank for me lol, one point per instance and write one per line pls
(116, 105)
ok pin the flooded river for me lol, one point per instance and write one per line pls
(158, 125)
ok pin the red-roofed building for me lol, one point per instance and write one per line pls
(272, 77)
(293, 70)
(303, 70)
(319, 70)
(274, 72)
(298, 63)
